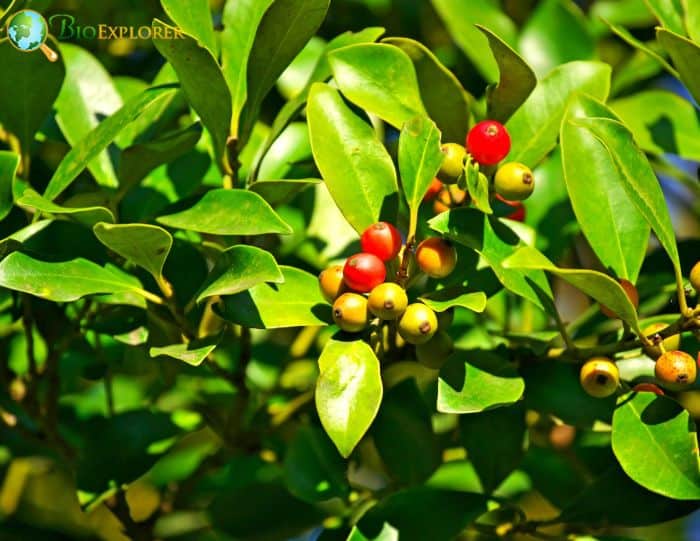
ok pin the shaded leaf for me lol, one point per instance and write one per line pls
(278, 192)
(9, 162)
(87, 216)
(685, 55)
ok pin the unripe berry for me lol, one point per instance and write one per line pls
(670, 343)
(600, 377)
(387, 301)
(488, 142)
(363, 272)
(433, 190)
(436, 257)
(381, 239)
(435, 351)
(514, 181)
(695, 277)
(453, 163)
(331, 282)
(453, 196)
(675, 370)
(418, 324)
(350, 312)
(632, 295)
(648, 388)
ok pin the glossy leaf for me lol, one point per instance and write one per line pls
(685, 55)
(665, 429)
(28, 88)
(284, 29)
(478, 188)
(87, 216)
(87, 95)
(348, 394)
(9, 162)
(147, 246)
(295, 302)
(474, 381)
(354, 164)
(420, 158)
(193, 353)
(516, 79)
(618, 238)
(444, 299)
(239, 268)
(380, 78)
(228, 212)
(98, 139)
(669, 13)
(443, 96)
(535, 126)
(194, 18)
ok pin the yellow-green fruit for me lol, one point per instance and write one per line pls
(418, 324)
(670, 343)
(675, 370)
(387, 301)
(350, 312)
(435, 351)
(600, 377)
(331, 282)
(695, 277)
(514, 181)
(453, 163)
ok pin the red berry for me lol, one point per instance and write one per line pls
(381, 239)
(488, 142)
(518, 213)
(363, 272)
(648, 388)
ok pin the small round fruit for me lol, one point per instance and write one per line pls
(675, 370)
(387, 301)
(561, 437)
(453, 196)
(632, 295)
(453, 163)
(363, 272)
(381, 239)
(436, 257)
(331, 282)
(514, 181)
(670, 343)
(488, 142)
(350, 312)
(418, 324)
(695, 277)
(435, 351)
(433, 190)
(648, 388)
(599, 377)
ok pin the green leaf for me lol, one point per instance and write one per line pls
(193, 353)
(473, 381)
(60, 282)
(292, 147)
(478, 188)
(28, 88)
(638, 179)
(278, 192)
(669, 13)
(420, 158)
(228, 212)
(348, 393)
(495, 242)
(692, 19)
(516, 79)
(556, 33)
(453, 297)
(202, 82)
(665, 430)
(649, 49)
(535, 126)
(355, 166)
(494, 458)
(422, 513)
(293, 79)
(380, 78)
(601, 287)
(194, 18)
(404, 436)
(284, 29)
(445, 100)
(98, 139)
(296, 302)
(239, 268)
(618, 238)
(144, 245)
(314, 471)
(87, 95)
(87, 216)
(9, 162)
(685, 55)
(387, 533)
(460, 23)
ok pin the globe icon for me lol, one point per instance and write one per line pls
(27, 30)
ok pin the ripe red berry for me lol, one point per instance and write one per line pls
(648, 388)
(488, 142)
(363, 272)
(381, 239)
(518, 213)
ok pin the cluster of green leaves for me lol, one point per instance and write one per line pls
(170, 366)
